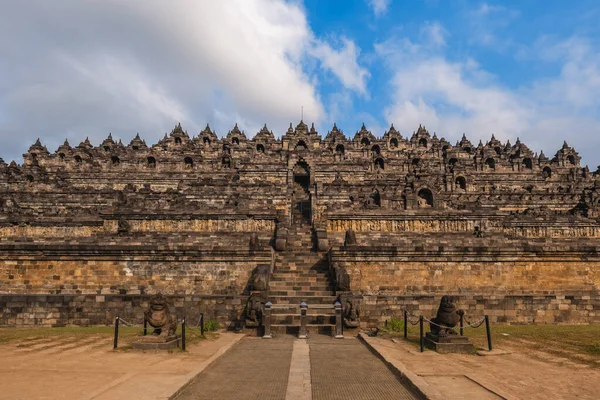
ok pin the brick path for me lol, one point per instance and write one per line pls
(325, 368)
(254, 369)
(346, 369)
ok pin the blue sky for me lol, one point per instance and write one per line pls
(528, 69)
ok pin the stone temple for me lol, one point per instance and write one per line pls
(223, 225)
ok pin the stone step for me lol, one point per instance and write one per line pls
(299, 261)
(299, 280)
(296, 276)
(300, 284)
(300, 245)
(301, 293)
(321, 329)
(294, 268)
(305, 265)
(305, 261)
(307, 256)
(315, 309)
(307, 286)
(290, 274)
(303, 239)
(294, 319)
(293, 279)
(310, 300)
(293, 286)
(302, 289)
(296, 254)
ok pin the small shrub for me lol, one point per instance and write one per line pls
(211, 326)
(396, 325)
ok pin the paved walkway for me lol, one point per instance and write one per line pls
(286, 368)
(346, 369)
(254, 369)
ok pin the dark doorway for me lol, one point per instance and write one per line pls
(301, 177)
(301, 207)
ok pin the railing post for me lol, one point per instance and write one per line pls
(267, 321)
(201, 324)
(461, 324)
(339, 333)
(421, 332)
(183, 335)
(405, 324)
(145, 326)
(303, 333)
(116, 341)
(489, 336)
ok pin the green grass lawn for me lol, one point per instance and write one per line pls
(579, 343)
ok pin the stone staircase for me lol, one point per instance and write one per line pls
(301, 275)
(301, 207)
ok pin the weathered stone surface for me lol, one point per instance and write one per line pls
(448, 344)
(145, 344)
(158, 316)
(513, 233)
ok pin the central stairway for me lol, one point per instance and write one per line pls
(301, 275)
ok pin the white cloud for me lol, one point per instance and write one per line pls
(486, 9)
(434, 34)
(487, 24)
(452, 97)
(379, 6)
(342, 63)
(75, 69)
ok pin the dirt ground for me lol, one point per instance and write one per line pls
(80, 364)
(85, 367)
(510, 372)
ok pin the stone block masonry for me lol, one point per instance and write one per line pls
(172, 272)
(88, 231)
(85, 310)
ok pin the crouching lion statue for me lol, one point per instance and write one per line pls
(159, 316)
(447, 316)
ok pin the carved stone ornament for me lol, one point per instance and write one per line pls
(158, 316)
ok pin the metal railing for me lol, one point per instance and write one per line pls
(144, 325)
(420, 320)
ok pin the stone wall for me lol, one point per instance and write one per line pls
(516, 282)
(59, 310)
(571, 308)
(83, 310)
(484, 270)
(106, 270)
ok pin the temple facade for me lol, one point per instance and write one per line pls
(384, 223)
